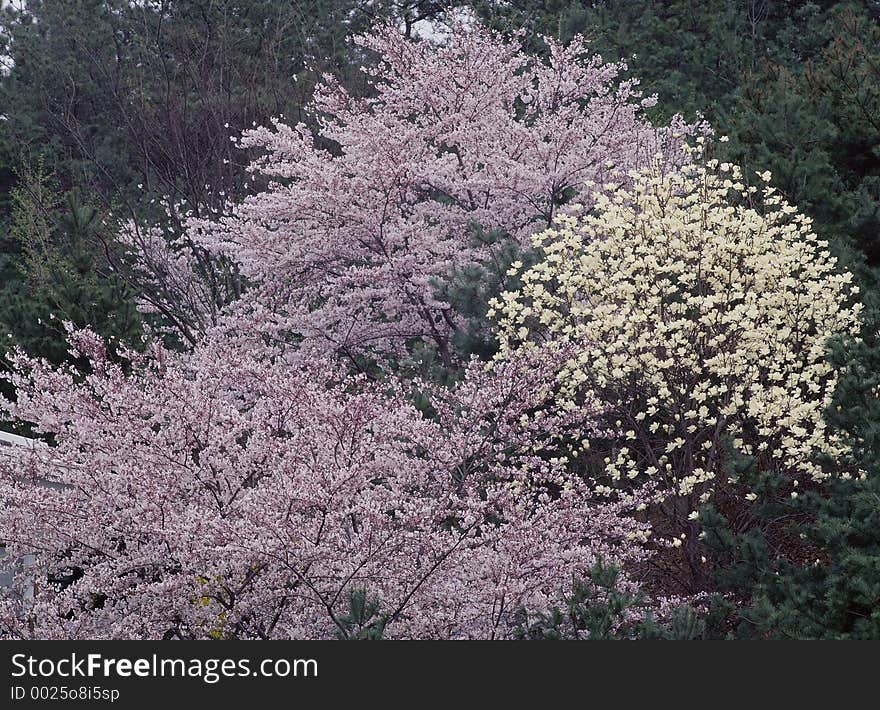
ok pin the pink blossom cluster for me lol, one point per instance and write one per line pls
(360, 224)
(216, 496)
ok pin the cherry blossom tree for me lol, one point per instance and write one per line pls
(457, 148)
(213, 496)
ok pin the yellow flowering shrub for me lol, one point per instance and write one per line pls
(700, 310)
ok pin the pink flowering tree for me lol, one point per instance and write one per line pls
(458, 149)
(214, 496)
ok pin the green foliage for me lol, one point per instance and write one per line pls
(54, 276)
(836, 595)
(364, 620)
(690, 54)
(810, 117)
(599, 609)
(468, 289)
(140, 99)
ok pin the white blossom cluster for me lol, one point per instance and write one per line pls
(701, 309)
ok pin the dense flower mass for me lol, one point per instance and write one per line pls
(216, 497)
(458, 146)
(699, 315)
